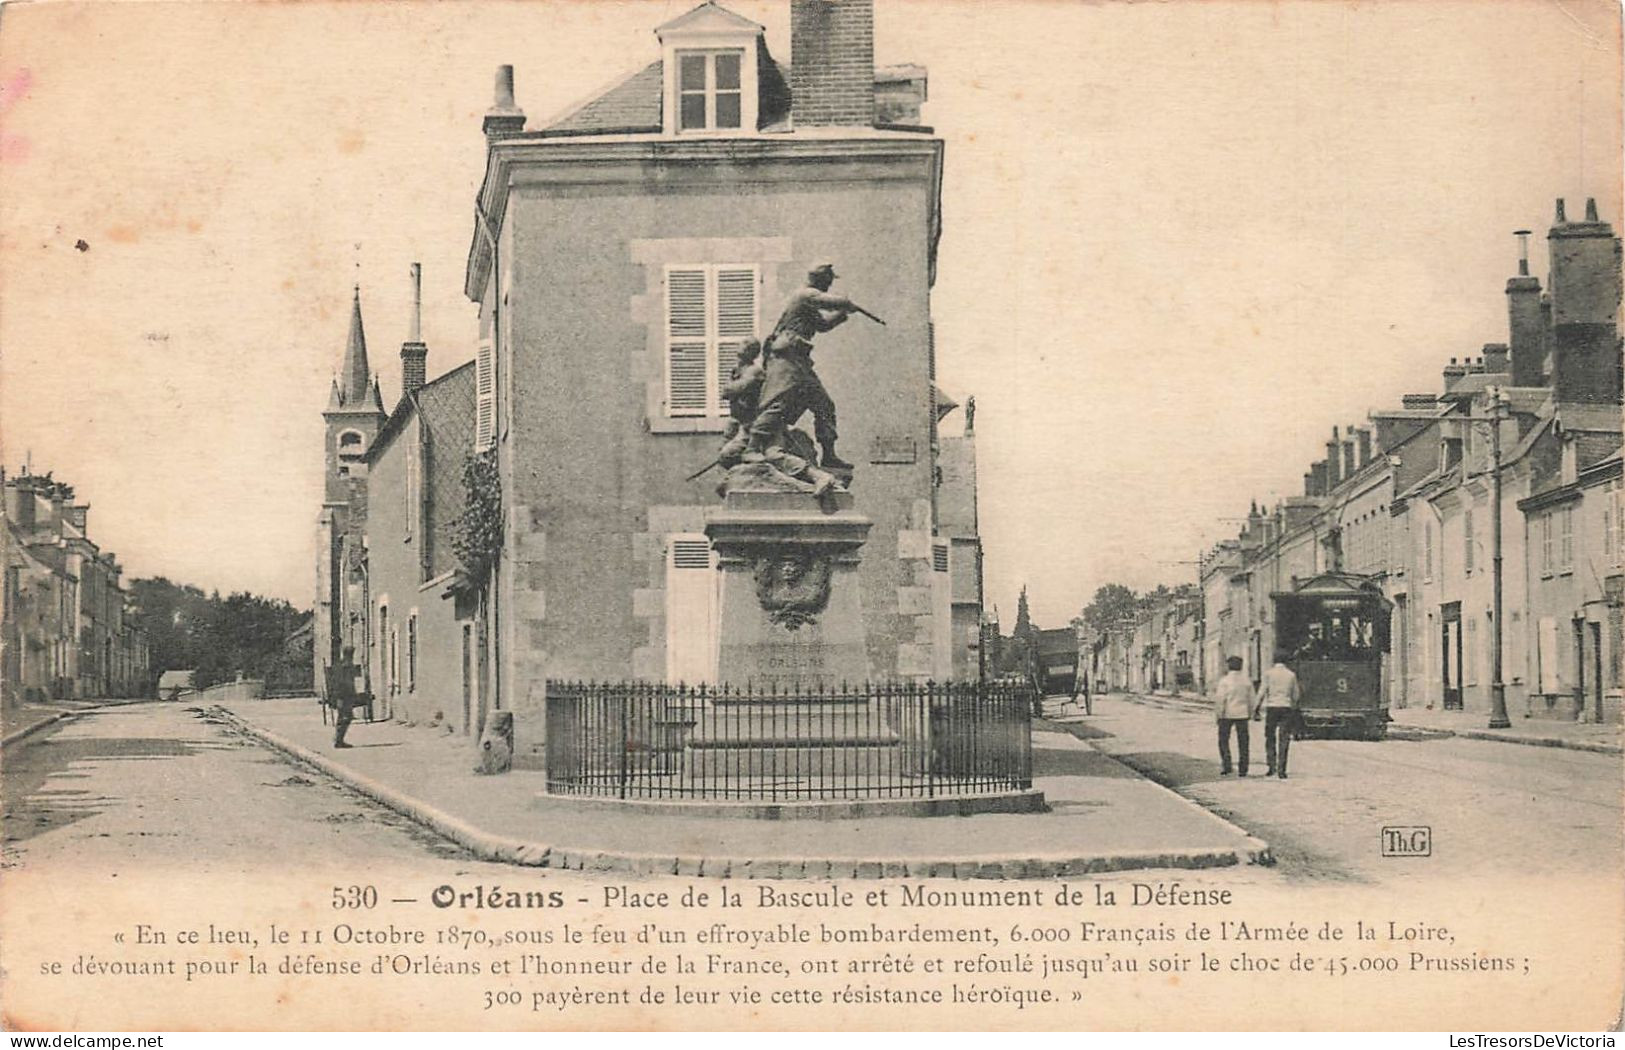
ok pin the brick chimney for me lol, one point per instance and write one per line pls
(414, 353)
(58, 501)
(1334, 462)
(1317, 478)
(1526, 330)
(1362, 438)
(832, 63)
(1585, 298)
(20, 502)
(79, 514)
(1349, 463)
(504, 119)
(1496, 356)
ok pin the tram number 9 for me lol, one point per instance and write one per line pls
(1342, 685)
(1040, 935)
(351, 897)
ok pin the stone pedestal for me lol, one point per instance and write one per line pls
(792, 614)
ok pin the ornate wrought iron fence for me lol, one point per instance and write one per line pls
(643, 740)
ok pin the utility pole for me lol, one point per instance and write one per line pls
(1498, 689)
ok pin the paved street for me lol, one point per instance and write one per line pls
(1491, 806)
(123, 787)
(134, 786)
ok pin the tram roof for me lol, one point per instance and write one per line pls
(1332, 584)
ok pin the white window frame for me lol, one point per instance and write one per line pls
(717, 346)
(1565, 535)
(710, 91)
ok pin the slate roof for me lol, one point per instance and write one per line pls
(632, 105)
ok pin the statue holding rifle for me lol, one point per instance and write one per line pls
(790, 387)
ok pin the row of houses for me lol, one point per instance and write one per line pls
(534, 514)
(1408, 497)
(66, 625)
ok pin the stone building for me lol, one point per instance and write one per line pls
(352, 419)
(621, 252)
(65, 625)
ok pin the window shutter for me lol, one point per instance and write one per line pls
(692, 610)
(939, 557)
(485, 392)
(736, 318)
(686, 380)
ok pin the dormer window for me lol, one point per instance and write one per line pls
(709, 90)
(710, 57)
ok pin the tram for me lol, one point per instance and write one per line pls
(1055, 663)
(1334, 629)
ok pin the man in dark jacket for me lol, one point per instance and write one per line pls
(341, 696)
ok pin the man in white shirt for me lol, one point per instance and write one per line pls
(1278, 697)
(1233, 702)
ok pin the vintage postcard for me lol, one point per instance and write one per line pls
(811, 514)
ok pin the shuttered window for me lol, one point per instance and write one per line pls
(710, 311)
(412, 652)
(485, 396)
(693, 593)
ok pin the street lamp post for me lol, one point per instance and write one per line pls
(1498, 689)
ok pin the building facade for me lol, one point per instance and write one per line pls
(65, 625)
(621, 253)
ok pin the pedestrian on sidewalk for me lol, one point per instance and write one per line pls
(341, 695)
(1278, 698)
(1233, 701)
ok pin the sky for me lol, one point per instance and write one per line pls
(1182, 240)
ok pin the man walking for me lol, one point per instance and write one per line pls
(1278, 699)
(1232, 704)
(341, 695)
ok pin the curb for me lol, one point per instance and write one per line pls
(1437, 732)
(486, 846)
(1528, 741)
(1257, 851)
(28, 731)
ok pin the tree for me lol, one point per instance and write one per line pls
(1111, 604)
(217, 637)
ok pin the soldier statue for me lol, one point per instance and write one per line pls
(790, 387)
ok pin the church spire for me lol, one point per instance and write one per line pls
(355, 377)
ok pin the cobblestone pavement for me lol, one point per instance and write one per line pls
(1489, 806)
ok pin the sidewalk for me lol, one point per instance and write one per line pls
(25, 720)
(1104, 816)
(1471, 725)
(1474, 725)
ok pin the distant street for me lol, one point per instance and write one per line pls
(1490, 805)
(129, 787)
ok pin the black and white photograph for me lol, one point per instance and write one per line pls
(811, 515)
